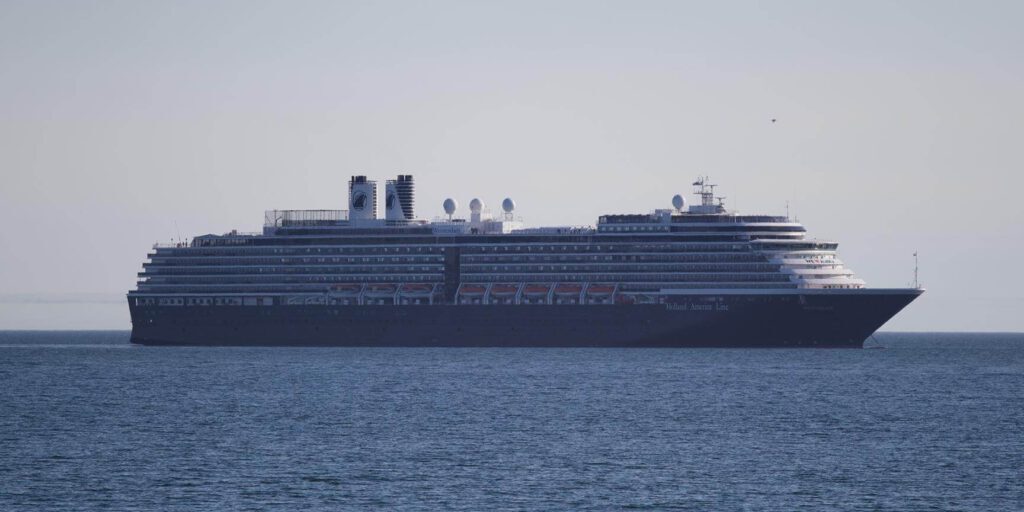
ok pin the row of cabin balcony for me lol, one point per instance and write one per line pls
(323, 263)
(752, 231)
(326, 262)
(479, 266)
(388, 239)
(626, 267)
(496, 277)
(725, 259)
(475, 268)
(295, 271)
(740, 274)
(466, 256)
(319, 288)
(221, 260)
(610, 246)
(659, 218)
(656, 257)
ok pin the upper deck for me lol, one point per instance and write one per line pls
(332, 227)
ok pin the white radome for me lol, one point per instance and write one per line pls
(450, 205)
(678, 202)
(476, 205)
(508, 205)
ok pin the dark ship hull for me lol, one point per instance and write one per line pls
(822, 318)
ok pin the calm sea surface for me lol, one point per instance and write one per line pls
(932, 421)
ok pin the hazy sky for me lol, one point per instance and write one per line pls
(899, 128)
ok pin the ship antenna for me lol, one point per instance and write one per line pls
(705, 189)
(916, 285)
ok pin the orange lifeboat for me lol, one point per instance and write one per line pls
(346, 288)
(417, 288)
(568, 289)
(600, 289)
(625, 299)
(472, 289)
(537, 289)
(504, 289)
(381, 289)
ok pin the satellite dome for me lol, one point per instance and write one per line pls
(678, 202)
(450, 205)
(508, 205)
(476, 205)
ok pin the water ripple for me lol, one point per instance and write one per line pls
(932, 422)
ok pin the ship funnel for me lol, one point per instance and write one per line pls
(398, 198)
(362, 198)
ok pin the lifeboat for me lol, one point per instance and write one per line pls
(381, 289)
(568, 289)
(472, 289)
(625, 299)
(504, 289)
(600, 289)
(417, 288)
(537, 289)
(349, 289)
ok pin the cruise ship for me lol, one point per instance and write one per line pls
(695, 275)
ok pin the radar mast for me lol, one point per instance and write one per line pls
(706, 190)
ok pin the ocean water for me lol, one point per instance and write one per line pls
(930, 422)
